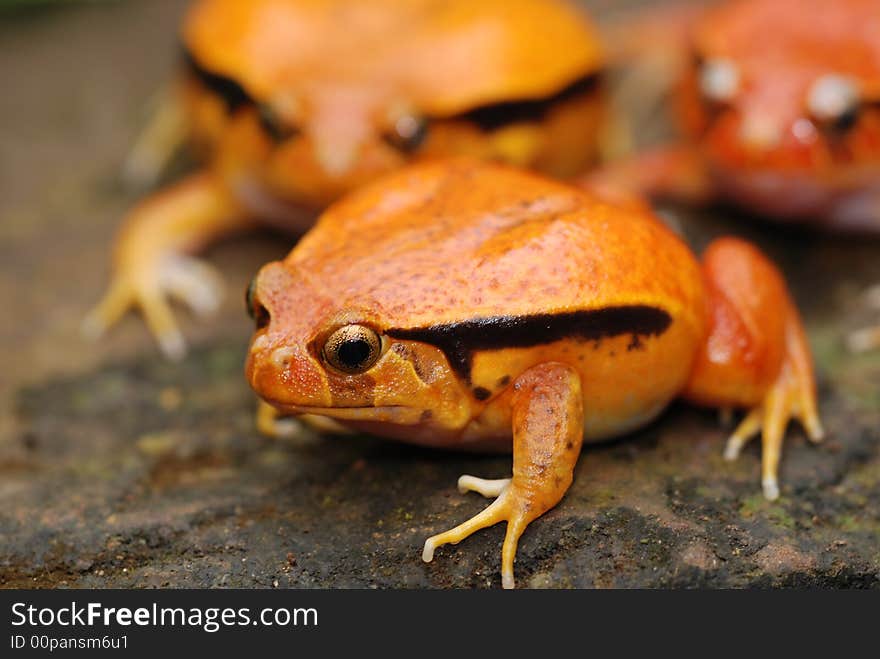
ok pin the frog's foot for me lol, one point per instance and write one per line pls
(151, 265)
(789, 398)
(548, 423)
(149, 287)
(868, 338)
(756, 354)
(488, 488)
(513, 506)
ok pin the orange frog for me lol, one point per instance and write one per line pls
(473, 306)
(294, 102)
(779, 104)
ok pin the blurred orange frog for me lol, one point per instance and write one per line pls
(779, 107)
(294, 102)
(472, 306)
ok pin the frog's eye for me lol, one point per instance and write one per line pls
(408, 133)
(719, 80)
(352, 349)
(255, 309)
(834, 100)
(273, 125)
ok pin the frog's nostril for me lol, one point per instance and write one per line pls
(760, 134)
(336, 160)
(261, 316)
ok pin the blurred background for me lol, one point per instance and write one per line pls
(117, 469)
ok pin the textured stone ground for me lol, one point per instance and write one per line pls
(118, 470)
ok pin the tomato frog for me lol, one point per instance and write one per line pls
(779, 108)
(294, 102)
(474, 306)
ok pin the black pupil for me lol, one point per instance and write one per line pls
(847, 120)
(354, 352)
(273, 126)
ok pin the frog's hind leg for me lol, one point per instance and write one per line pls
(756, 354)
(151, 263)
(548, 422)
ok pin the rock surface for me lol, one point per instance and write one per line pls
(120, 470)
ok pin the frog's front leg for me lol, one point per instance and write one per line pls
(756, 354)
(272, 423)
(548, 425)
(151, 262)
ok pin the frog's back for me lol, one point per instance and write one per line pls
(503, 270)
(443, 57)
(449, 242)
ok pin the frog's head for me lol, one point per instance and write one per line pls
(311, 355)
(787, 91)
(327, 95)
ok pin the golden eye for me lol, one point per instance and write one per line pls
(255, 309)
(408, 133)
(834, 100)
(352, 349)
(719, 80)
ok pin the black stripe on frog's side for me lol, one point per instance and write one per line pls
(495, 116)
(459, 341)
(232, 93)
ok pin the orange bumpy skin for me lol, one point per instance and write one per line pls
(295, 102)
(477, 307)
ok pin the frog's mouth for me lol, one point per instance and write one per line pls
(395, 414)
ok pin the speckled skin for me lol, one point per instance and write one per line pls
(336, 78)
(423, 255)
